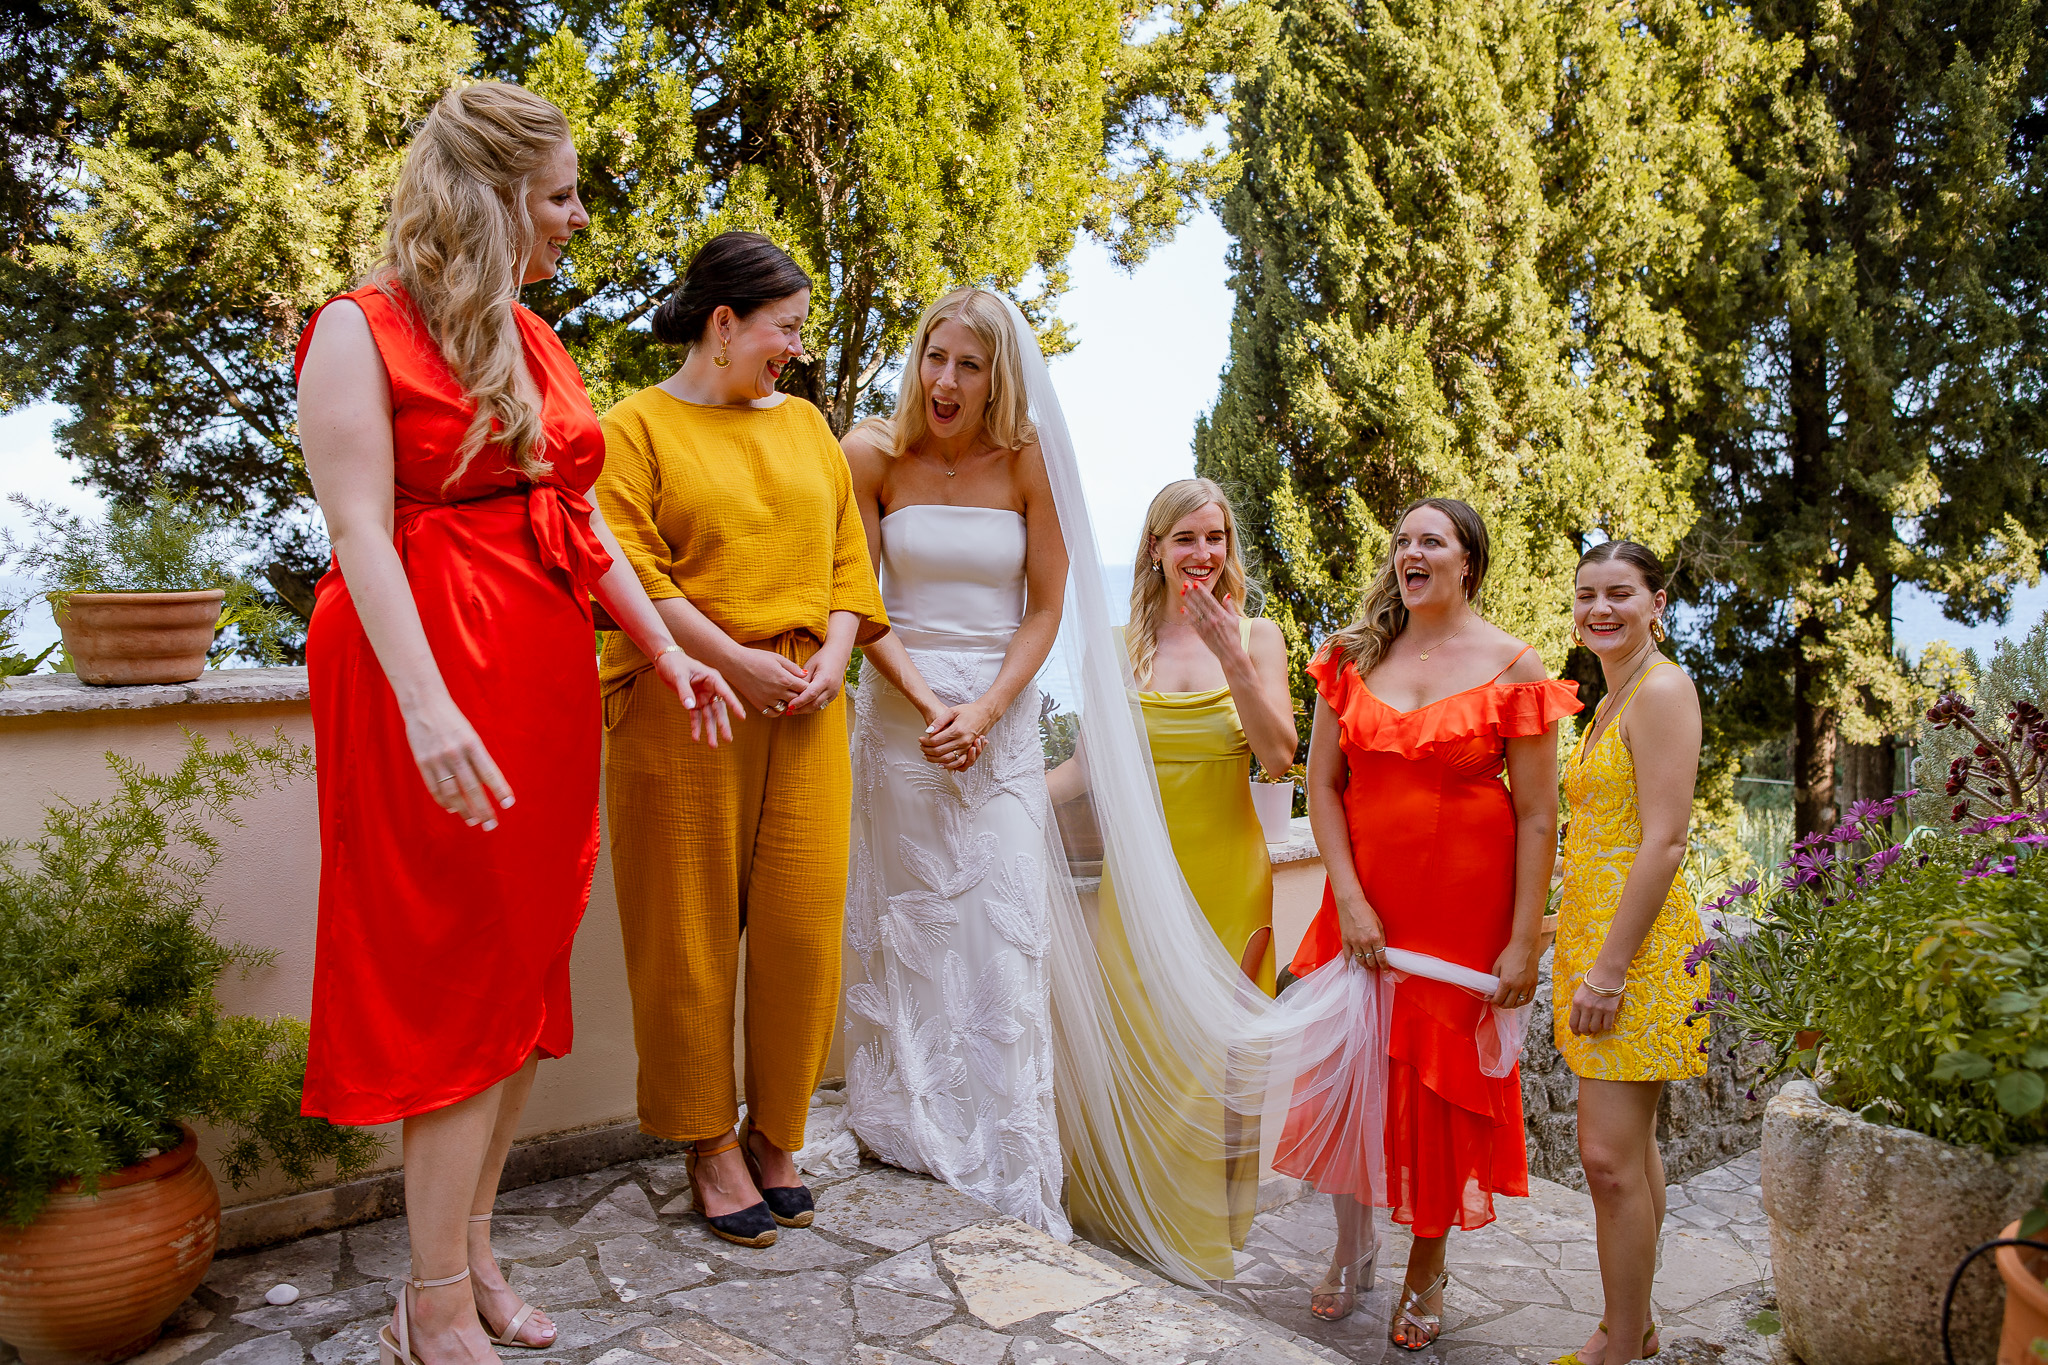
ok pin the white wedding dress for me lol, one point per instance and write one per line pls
(948, 1012)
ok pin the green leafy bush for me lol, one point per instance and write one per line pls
(1909, 979)
(165, 543)
(14, 663)
(110, 1035)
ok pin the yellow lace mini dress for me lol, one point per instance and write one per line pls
(1658, 1036)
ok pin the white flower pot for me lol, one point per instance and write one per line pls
(1274, 801)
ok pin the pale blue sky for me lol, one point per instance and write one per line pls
(1152, 344)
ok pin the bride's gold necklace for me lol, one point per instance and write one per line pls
(953, 465)
(1424, 656)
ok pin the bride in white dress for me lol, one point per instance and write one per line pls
(995, 965)
(948, 1013)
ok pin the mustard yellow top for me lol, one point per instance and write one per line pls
(748, 512)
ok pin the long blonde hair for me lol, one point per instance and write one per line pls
(1006, 422)
(1179, 499)
(1383, 616)
(458, 243)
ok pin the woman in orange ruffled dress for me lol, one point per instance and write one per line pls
(1421, 706)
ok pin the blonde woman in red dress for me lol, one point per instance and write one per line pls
(1421, 706)
(454, 689)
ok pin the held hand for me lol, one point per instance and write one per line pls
(765, 680)
(453, 763)
(1592, 1012)
(956, 739)
(1516, 968)
(1365, 938)
(1215, 622)
(823, 681)
(704, 692)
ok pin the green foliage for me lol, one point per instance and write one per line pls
(14, 663)
(193, 176)
(167, 542)
(1059, 732)
(1911, 981)
(110, 1035)
(1870, 399)
(1458, 229)
(2018, 672)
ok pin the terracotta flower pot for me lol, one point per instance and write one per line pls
(124, 638)
(92, 1279)
(2026, 1301)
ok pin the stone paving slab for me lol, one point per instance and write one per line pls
(898, 1270)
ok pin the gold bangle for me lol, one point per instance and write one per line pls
(1610, 993)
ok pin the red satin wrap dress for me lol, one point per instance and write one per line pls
(442, 958)
(1433, 837)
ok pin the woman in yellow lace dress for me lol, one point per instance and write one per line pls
(1626, 977)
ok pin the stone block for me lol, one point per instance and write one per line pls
(910, 1272)
(635, 1268)
(308, 1266)
(625, 1209)
(1868, 1223)
(1008, 1272)
(886, 1313)
(894, 1210)
(960, 1344)
(276, 1349)
(567, 1283)
(806, 1316)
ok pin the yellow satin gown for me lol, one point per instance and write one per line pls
(1173, 1131)
(1657, 1036)
(1203, 761)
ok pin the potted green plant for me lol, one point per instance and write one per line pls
(111, 1043)
(142, 594)
(1906, 980)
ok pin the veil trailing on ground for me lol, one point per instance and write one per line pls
(1169, 1064)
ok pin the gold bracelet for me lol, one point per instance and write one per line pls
(673, 648)
(1587, 982)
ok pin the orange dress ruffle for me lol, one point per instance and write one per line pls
(1433, 837)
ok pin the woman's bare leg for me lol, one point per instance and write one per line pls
(444, 1157)
(497, 1301)
(1624, 1174)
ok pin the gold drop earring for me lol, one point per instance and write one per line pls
(724, 345)
(1657, 631)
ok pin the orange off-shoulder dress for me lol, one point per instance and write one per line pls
(1433, 837)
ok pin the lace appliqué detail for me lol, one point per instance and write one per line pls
(949, 1013)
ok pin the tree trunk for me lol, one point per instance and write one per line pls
(1814, 724)
(1868, 771)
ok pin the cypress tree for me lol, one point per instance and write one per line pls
(1459, 231)
(1871, 415)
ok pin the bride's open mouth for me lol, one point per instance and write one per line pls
(1415, 580)
(944, 411)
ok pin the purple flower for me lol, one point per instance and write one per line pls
(2030, 839)
(1719, 925)
(1874, 866)
(1702, 1047)
(1700, 952)
(1873, 810)
(1844, 832)
(1808, 841)
(1741, 889)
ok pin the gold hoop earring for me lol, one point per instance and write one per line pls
(1577, 639)
(1158, 567)
(720, 359)
(1657, 631)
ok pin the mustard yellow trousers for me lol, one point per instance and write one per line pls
(706, 842)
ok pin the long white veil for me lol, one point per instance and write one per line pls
(1169, 1065)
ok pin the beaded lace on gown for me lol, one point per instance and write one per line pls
(948, 1012)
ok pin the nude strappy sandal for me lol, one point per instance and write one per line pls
(510, 1336)
(1412, 1329)
(1345, 1284)
(397, 1350)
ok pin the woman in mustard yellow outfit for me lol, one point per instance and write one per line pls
(1626, 930)
(734, 505)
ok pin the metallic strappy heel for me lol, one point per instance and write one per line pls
(1408, 1322)
(397, 1350)
(510, 1336)
(1345, 1284)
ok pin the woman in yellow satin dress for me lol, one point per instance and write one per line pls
(1213, 690)
(1627, 966)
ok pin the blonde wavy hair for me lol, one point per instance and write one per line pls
(1007, 420)
(458, 242)
(1149, 597)
(1383, 616)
